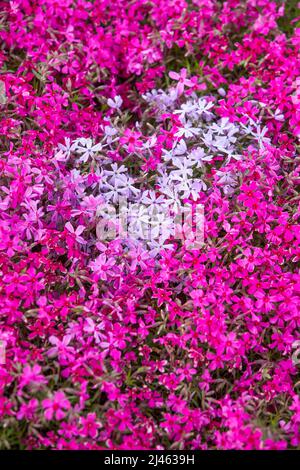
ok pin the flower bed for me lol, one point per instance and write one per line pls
(149, 224)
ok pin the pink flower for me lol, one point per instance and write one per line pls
(182, 80)
(28, 410)
(56, 407)
(90, 426)
(61, 348)
(161, 343)
(131, 139)
(103, 266)
(76, 233)
(250, 194)
(32, 376)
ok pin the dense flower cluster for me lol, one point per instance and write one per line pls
(142, 340)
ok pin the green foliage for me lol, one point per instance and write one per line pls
(291, 11)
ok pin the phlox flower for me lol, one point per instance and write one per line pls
(61, 348)
(103, 267)
(90, 426)
(115, 103)
(76, 233)
(119, 329)
(131, 139)
(56, 406)
(87, 149)
(182, 79)
(28, 410)
(31, 376)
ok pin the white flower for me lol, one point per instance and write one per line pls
(261, 135)
(67, 148)
(203, 107)
(113, 192)
(167, 154)
(278, 115)
(119, 185)
(183, 187)
(109, 133)
(221, 92)
(180, 148)
(191, 188)
(139, 219)
(223, 126)
(226, 178)
(222, 143)
(162, 100)
(208, 139)
(86, 148)
(115, 103)
(150, 143)
(162, 225)
(187, 131)
(115, 172)
(156, 246)
(257, 132)
(231, 155)
(186, 109)
(197, 156)
(150, 95)
(228, 190)
(184, 169)
(150, 198)
(126, 184)
(171, 196)
(197, 186)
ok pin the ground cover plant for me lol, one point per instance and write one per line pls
(143, 339)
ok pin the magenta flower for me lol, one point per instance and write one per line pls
(90, 426)
(180, 328)
(56, 407)
(32, 376)
(131, 139)
(103, 266)
(28, 410)
(76, 233)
